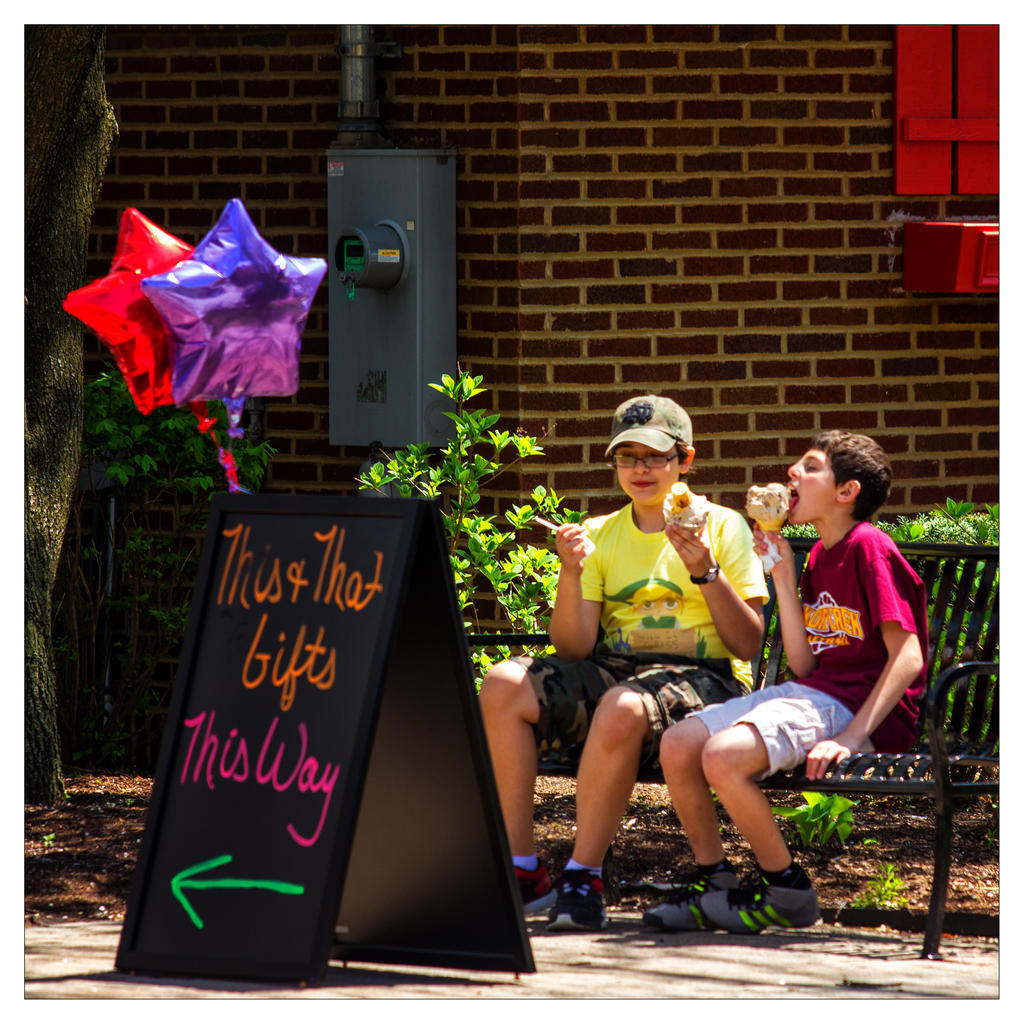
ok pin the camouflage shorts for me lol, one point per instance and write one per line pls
(670, 687)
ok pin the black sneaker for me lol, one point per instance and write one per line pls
(680, 910)
(756, 907)
(580, 903)
(535, 888)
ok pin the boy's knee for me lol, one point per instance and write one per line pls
(620, 716)
(682, 743)
(738, 751)
(504, 684)
(714, 761)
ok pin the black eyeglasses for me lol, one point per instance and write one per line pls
(648, 461)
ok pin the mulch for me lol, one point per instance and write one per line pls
(80, 854)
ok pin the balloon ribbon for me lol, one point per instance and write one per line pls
(206, 423)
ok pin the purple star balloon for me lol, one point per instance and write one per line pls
(235, 311)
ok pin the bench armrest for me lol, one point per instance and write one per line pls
(937, 700)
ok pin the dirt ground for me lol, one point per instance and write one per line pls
(79, 856)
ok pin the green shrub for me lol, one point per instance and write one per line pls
(952, 523)
(491, 566)
(128, 567)
(955, 522)
(800, 530)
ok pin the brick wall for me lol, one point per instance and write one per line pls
(705, 212)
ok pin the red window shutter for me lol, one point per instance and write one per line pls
(977, 96)
(946, 109)
(924, 89)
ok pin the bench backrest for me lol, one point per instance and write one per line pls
(962, 585)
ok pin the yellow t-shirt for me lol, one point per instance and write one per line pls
(649, 603)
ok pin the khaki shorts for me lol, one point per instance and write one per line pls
(790, 717)
(671, 686)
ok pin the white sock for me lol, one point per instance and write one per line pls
(527, 863)
(575, 865)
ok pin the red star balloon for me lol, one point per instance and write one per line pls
(116, 308)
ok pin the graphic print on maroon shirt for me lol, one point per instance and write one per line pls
(847, 592)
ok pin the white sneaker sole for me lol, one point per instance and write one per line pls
(541, 902)
(565, 923)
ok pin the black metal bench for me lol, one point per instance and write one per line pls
(958, 753)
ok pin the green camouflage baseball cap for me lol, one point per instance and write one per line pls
(651, 420)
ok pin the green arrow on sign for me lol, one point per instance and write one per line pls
(186, 880)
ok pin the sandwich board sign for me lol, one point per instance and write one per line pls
(323, 787)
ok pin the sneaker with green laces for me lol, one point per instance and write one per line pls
(753, 908)
(680, 910)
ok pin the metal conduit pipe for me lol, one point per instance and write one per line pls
(359, 108)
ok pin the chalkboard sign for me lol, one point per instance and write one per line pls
(323, 787)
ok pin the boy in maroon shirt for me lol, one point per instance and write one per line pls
(855, 637)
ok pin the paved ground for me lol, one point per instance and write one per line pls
(76, 960)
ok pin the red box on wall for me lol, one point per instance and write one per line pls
(950, 257)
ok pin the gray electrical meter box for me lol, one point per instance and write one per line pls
(391, 234)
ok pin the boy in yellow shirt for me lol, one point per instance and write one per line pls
(680, 614)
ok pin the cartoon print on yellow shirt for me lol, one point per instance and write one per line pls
(652, 619)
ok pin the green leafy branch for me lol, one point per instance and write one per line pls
(488, 559)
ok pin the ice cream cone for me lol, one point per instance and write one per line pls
(768, 506)
(685, 509)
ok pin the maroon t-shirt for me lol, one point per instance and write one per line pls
(847, 592)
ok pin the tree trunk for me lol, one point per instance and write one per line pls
(69, 129)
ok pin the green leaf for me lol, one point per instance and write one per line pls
(788, 812)
(958, 509)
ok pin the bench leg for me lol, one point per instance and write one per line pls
(940, 876)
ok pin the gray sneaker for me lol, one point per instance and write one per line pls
(680, 910)
(756, 907)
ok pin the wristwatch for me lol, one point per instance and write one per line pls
(710, 578)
